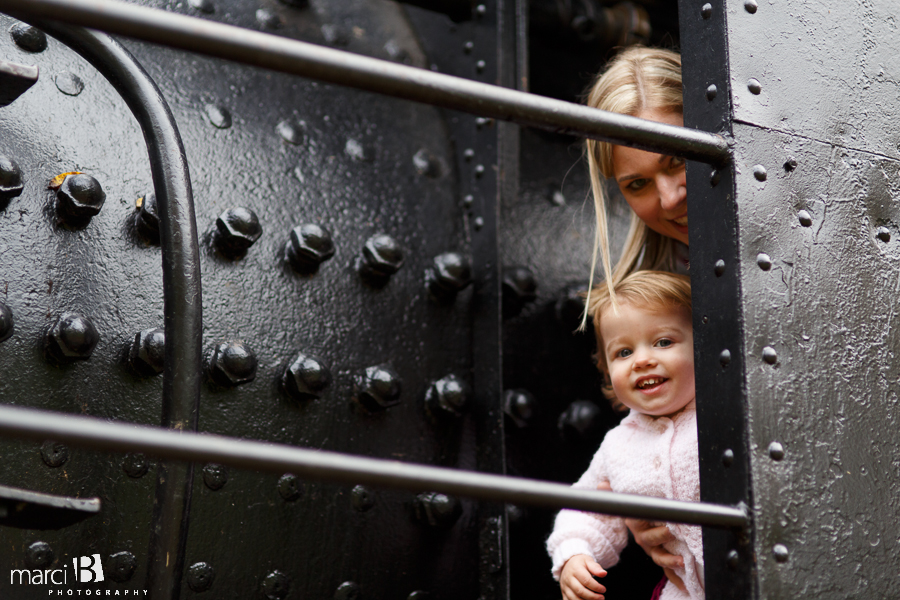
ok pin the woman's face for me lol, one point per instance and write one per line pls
(653, 184)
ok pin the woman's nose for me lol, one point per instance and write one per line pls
(672, 191)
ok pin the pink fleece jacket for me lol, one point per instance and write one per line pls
(650, 456)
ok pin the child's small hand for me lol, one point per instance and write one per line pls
(577, 579)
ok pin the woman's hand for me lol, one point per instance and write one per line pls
(577, 579)
(650, 538)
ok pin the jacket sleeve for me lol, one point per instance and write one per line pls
(601, 537)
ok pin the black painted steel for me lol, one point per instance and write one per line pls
(15, 80)
(331, 466)
(343, 68)
(32, 510)
(181, 288)
(717, 313)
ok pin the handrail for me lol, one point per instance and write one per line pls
(99, 434)
(381, 76)
(181, 287)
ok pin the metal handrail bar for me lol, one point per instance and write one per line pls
(99, 434)
(381, 76)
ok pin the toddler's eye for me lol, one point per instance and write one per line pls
(623, 353)
(664, 343)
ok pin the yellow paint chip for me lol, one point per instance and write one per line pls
(58, 180)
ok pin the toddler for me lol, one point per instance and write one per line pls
(645, 347)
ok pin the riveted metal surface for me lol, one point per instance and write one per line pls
(821, 362)
(285, 160)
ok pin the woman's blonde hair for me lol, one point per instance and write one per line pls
(651, 290)
(637, 79)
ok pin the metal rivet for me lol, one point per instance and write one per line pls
(419, 595)
(78, 199)
(732, 559)
(479, 170)
(790, 164)
(121, 566)
(236, 230)
(706, 10)
(135, 465)
(378, 387)
(759, 172)
(780, 552)
(71, 337)
(750, 6)
(754, 86)
(715, 176)
(38, 555)
(28, 38)
(11, 184)
(480, 65)
(468, 154)
(719, 269)
(200, 577)
(482, 122)
(309, 246)
(447, 398)
(805, 218)
(69, 84)
(6, 322)
(883, 234)
(305, 378)
(520, 405)
(437, 510)
(711, 92)
(335, 35)
(380, 258)
(396, 52)
(580, 421)
(425, 164)
(468, 47)
(769, 355)
(556, 197)
(292, 132)
(518, 289)
(479, 223)
(276, 586)
(776, 451)
(569, 306)
(347, 591)
(204, 6)
(704, 319)
(215, 476)
(763, 261)
(290, 487)
(727, 457)
(147, 218)
(358, 152)
(468, 200)
(218, 116)
(232, 363)
(449, 274)
(725, 358)
(362, 498)
(54, 454)
(268, 18)
(481, 10)
(148, 352)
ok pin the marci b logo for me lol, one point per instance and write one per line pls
(90, 569)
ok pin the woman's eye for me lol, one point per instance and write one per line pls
(664, 343)
(676, 162)
(636, 184)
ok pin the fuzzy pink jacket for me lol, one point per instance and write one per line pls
(647, 456)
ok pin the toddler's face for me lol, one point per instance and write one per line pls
(650, 357)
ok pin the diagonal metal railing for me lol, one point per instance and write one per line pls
(99, 434)
(347, 69)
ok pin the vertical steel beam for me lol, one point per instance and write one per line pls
(718, 318)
